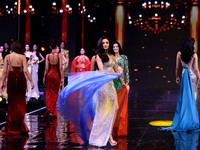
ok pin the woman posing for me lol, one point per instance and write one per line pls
(53, 78)
(186, 116)
(81, 63)
(121, 123)
(30, 60)
(35, 67)
(15, 65)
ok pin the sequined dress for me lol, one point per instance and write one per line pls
(89, 101)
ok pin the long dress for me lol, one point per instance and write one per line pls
(16, 88)
(34, 75)
(52, 87)
(80, 63)
(4, 93)
(91, 96)
(28, 92)
(186, 116)
(121, 123)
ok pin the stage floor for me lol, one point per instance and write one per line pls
(144, 106)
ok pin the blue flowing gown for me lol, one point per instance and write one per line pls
(186, 116)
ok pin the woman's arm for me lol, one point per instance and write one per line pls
(99, 63)
(26, 71)
(116, 70)
(92, 63)
(61, 69)
(41, 57)
(46, 68)
(195, 65)
(177, 67)
(126, 71)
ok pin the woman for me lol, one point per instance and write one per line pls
(15, 65)
(6, 50)
(81, 63)
(2, 93)
(53, 78)
(91, 95)
(35, 67)
(30, 60)
(186, 115)
(121, 123)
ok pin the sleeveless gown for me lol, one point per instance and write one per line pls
(89, 101)
(34, 75)
(52, 88)
(186, 116)
(16, 88)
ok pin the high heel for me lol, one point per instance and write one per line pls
(113, 142)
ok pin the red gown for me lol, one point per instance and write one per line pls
(16, 88)
(52, 88)
(80, 64)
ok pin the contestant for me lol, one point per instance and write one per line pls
(35, 68)
(186, 115)
(91, 95)
(6, 50)
(65, 54)
(81, 63)
(53, 78)
(30, 60)
(121, 123)
(15, 65)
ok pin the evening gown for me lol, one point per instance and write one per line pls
(16, 88)
(186, 116)
(89, 101)
(80, 63)
(28, 92)
(52, 86)
(34, 75)
(121, 122)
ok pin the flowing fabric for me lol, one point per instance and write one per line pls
(28, 92)
(80, 102)
(52, 88)
(16, 87)
(186, 115)
(121, 123)
(80, 64)
(34, 75)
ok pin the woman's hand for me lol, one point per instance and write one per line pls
(44, 82)
(128, 88)
(178, 80)
(61, 82)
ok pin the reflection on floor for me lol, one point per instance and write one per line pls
(144, 106)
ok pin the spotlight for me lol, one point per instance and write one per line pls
(42, 49)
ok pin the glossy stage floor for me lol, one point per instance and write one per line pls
(144, 106)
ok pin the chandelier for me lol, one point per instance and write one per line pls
(158, 16)
(12, 9)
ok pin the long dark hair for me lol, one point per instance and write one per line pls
(17, 47)
(37, 51)
(187, 50)
(121, 52)
(101, 51)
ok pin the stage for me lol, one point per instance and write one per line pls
(144, 106)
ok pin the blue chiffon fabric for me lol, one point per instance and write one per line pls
(77, 100)
(186, 115)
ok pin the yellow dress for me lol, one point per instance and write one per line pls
(4, 93)
(65, 53)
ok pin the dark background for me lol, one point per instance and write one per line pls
(145, 50)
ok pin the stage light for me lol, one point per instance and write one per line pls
(15, 3)
(30, 6)
(25, 11)
(162, 2)
(182, 22)
(9, 12)
(67, 6)
(32, 9)
(6, 6)
(156, 2)
(135, 70)
(70, 9)
(81, 11)
(167, 4)
(161, 123)
(79, 4)
(54, 3)
(91, 20)
(183, 17)
(61, 11)
(88, 16)
(164, 76)
(94, 18)
(149, 3)
(156, 14)
(172, 15)
(42, 49)
(140, 15)
(11, 9)
(130, 22)
(1, 99)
